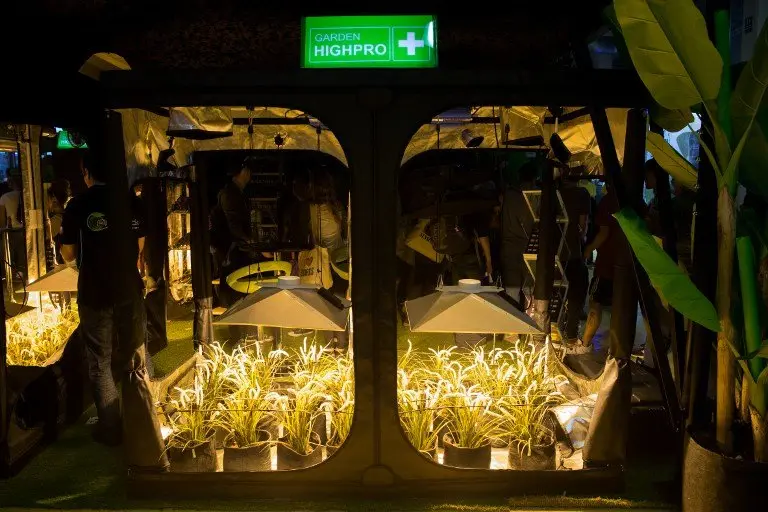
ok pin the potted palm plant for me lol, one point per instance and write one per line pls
(471, 428)
(191, 442)
(298, 411)
(246, 416)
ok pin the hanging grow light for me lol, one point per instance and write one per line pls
(289, 305)
(468, 308)
(61, 279)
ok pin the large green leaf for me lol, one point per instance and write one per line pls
(751, 87)
(664, 273)
(753, 164)
(671, 161)
(670, 120)
(671, 50)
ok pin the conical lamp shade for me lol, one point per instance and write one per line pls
(286, 307)
(62, 279)
(457, 310)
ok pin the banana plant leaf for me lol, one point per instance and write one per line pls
(670, 120)
(671, 50)
(671, 161)
(664, 273)
(751, 87)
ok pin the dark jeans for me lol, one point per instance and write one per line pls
(124, 324)
(577, 275)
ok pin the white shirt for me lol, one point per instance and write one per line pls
(10, 201)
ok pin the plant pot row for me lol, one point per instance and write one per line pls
(540, 457)
(201, 458)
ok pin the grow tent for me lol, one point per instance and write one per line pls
(373, 115)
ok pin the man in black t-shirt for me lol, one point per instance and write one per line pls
(109, 299)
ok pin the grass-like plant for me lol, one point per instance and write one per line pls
(342, 415)
(311, 362)
(244, 414)
(524, 414)
(340, 391)
(297, 410)
(418, 408)
(191, 422)
(33, 337)
(471, 423)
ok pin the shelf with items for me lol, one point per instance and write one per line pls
(530, 256)
(179, 232)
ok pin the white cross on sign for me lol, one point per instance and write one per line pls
(411, 43)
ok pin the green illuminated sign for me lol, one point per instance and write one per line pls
(68, 140)
(369, 42)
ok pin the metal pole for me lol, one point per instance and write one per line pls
(200, 244)
(5, 416)
(545, 260)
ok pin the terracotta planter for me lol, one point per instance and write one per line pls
(289, 459)
(456, 456)
(252, 458)
(542, 457)
(193, 459)
(713, 482)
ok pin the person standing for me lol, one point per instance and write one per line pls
(106, 307)
(601, 288)
(58, 196)
(12, 217)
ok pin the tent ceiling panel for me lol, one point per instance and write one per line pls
(525, 122)
(144, 136)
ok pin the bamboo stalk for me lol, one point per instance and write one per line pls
(750, 306)
(726, 371)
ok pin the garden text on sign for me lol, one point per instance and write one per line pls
(369, 42)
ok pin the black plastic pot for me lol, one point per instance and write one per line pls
(713, 482)
(542, 457)
(441, 435)
(289, 459)
(320, 428)
(193, 459)
(253, 458)
(219, 436)
(458, 457)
